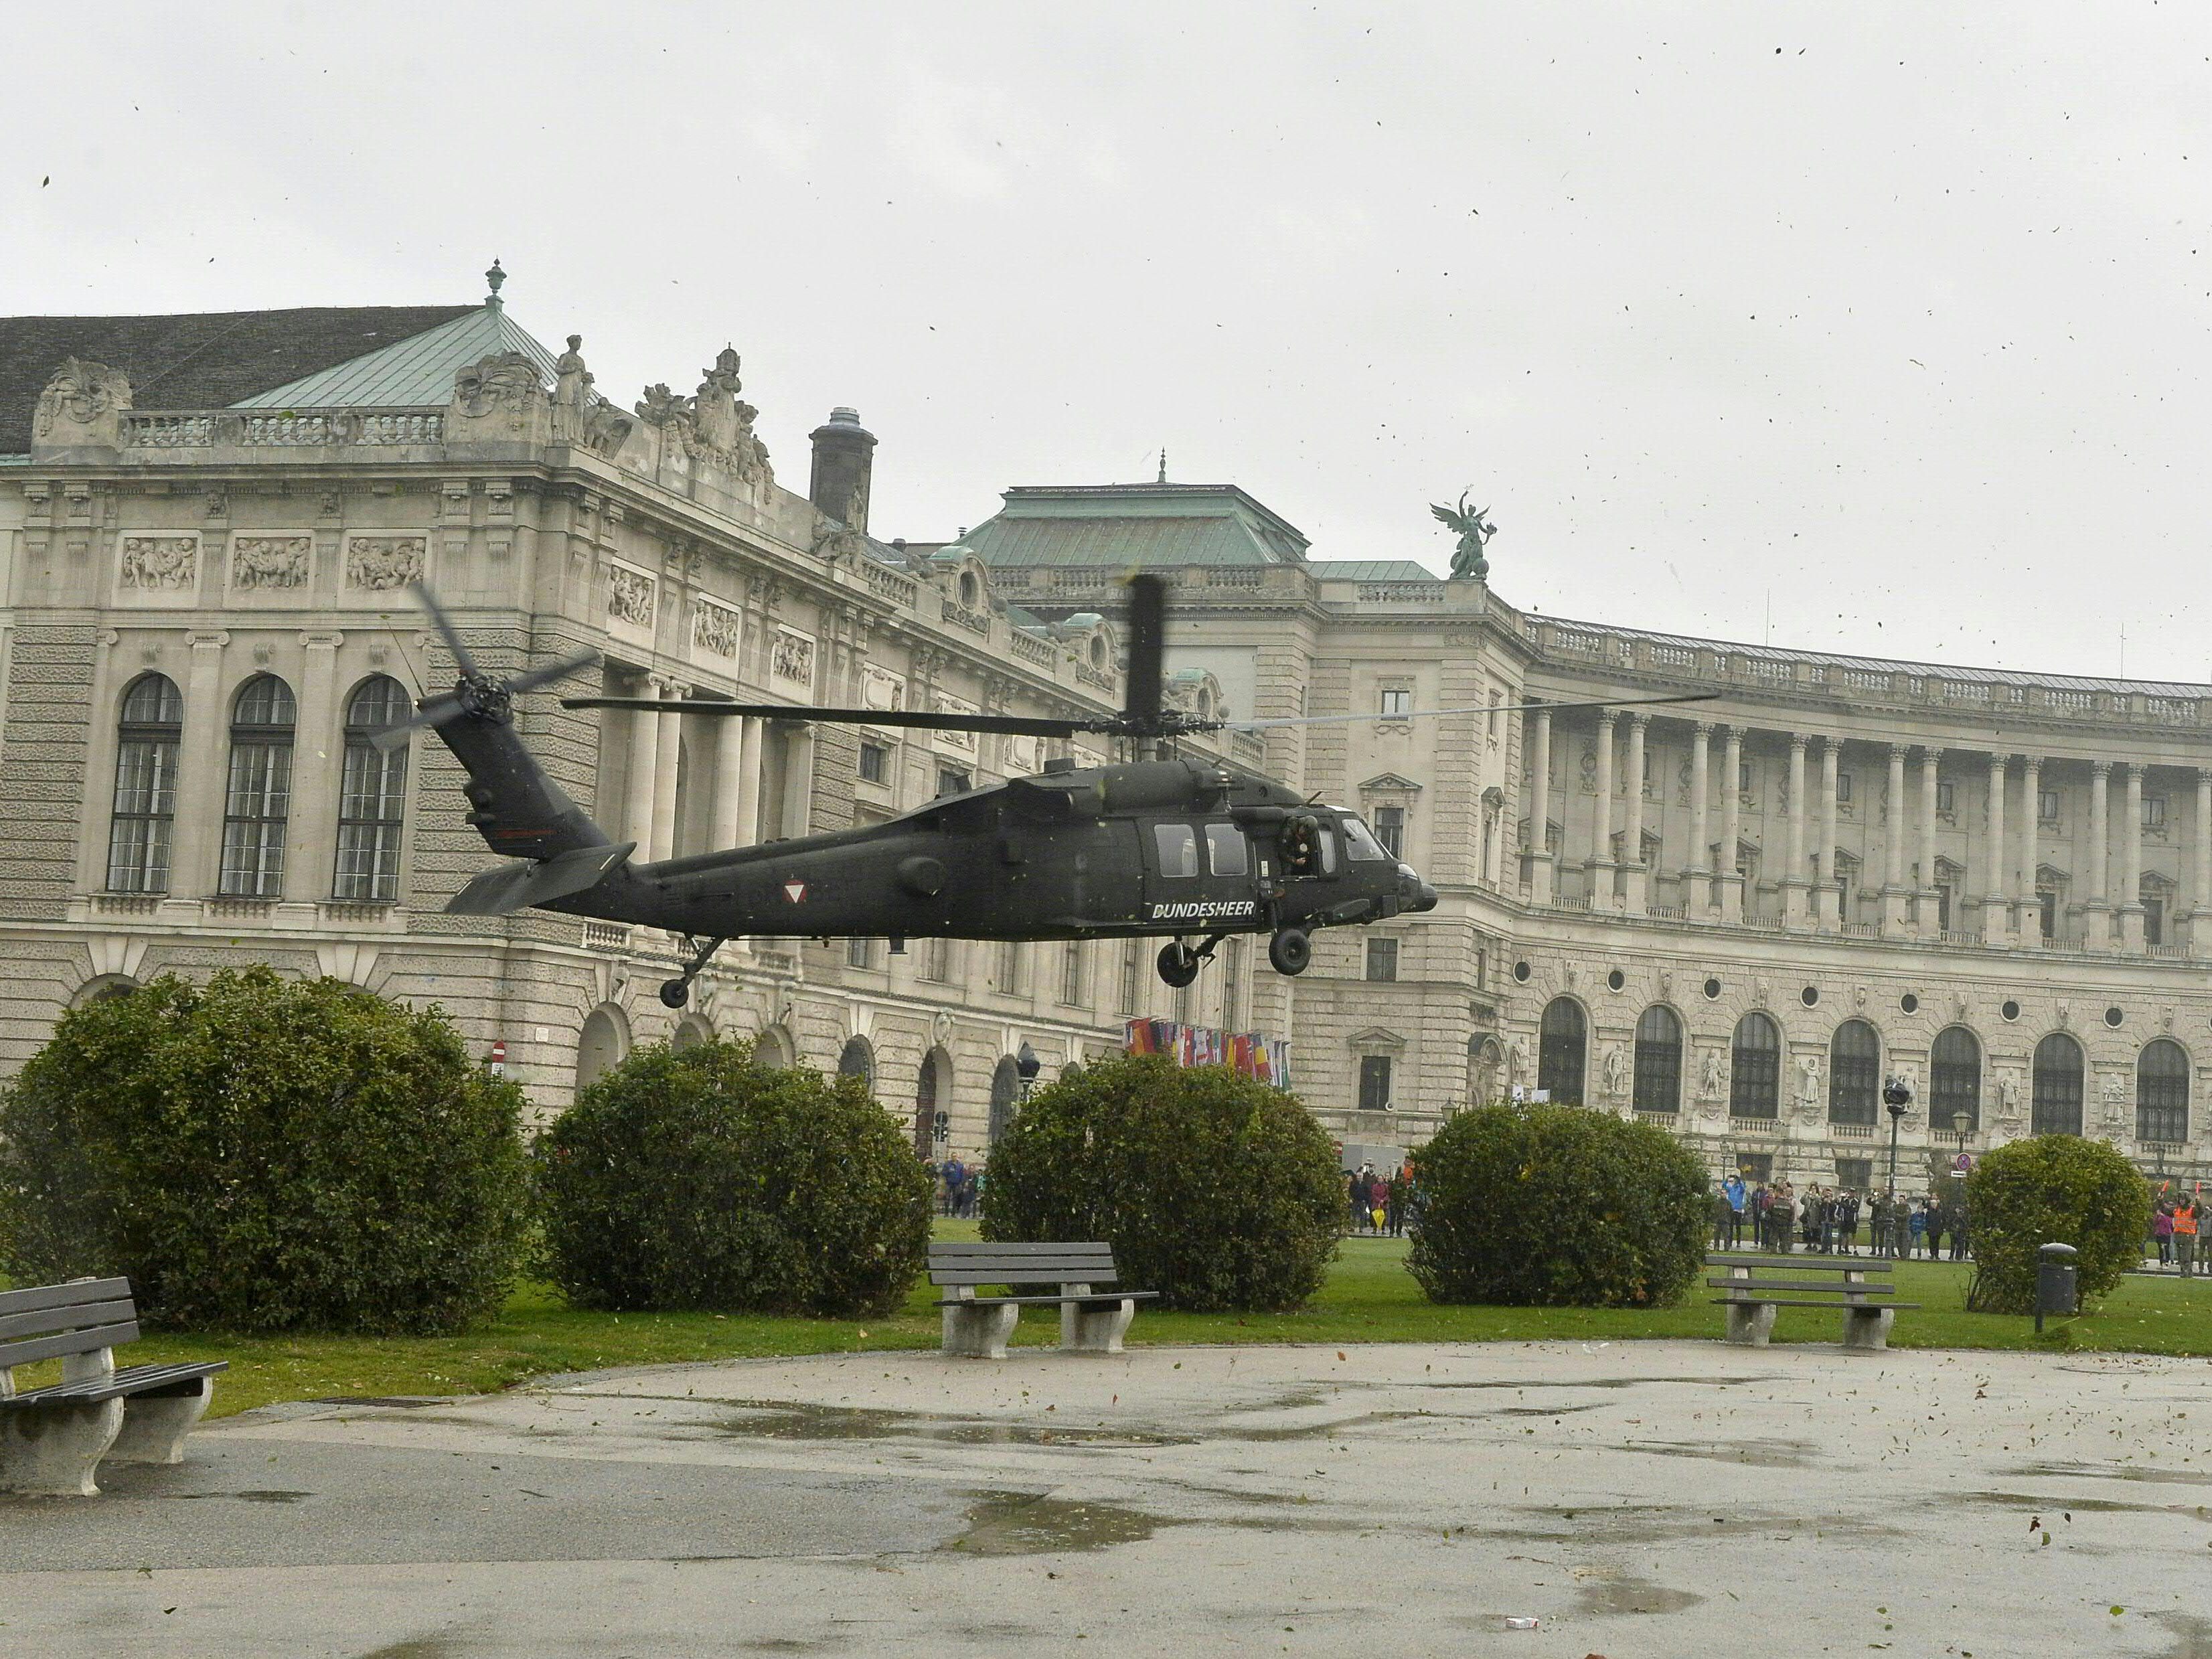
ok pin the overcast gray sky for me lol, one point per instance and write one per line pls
(1896, 317)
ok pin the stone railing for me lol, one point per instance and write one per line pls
(286, 428)
(1401, 592)
(886, 583)
(775, 962)
(1030, 648)
(1248, 747)
(1851, 1130)
(126, 904)
(605, 936)
(1756, 1126)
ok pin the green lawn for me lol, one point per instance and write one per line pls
(1369, 1297)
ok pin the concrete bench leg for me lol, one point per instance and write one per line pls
(1867, 1329)
(1096, 1328)
(1750, 1323)
(155, 1424)
(50, 1451)
(980, 1333)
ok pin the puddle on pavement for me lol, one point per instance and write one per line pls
(1609, 1597)
(439, 1646)
(1758, 1453)
(1601, 1382)
(2192, 1636)
(2044, 1503)
(1550, 1411)
(2117, 1471)
(256, 1497)
(779, 1419)
(1016, 1523)
(1655, 1523)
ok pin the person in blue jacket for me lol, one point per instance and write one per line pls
(1733, 1186)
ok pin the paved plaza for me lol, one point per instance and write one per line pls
(1642, 1500)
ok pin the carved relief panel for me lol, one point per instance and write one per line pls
(716, 629)
(384, 564)
(275, 570)
(159, 570)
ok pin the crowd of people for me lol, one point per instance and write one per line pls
(2173, 1232)
(1383, 1204)
(1776, 1217)
(959, 1188)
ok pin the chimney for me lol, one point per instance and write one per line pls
(843, 462)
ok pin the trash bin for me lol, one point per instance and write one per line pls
(2055, 1291)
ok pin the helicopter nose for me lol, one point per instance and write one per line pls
(1413, 893)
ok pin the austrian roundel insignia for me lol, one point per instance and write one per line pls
(795, 892)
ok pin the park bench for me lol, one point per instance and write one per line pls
(1860, 1286)
(1092, 1319)
(52, 1438)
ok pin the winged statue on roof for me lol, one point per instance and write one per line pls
(1474, 530)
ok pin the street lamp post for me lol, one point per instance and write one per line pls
(1897, 1094)
(1027, 1066)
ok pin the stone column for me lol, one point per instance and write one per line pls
(729, 749)
(1997, 913)
(2031, 814)
(639, 791)
(748, 778)
(2131, 910)
(1697, 884)
(1931, 761)
(1540, 806)
(2097, 912)
(318, 762)
(202, 775)
(799, 781)
(1636, 877)
(1731, 880)
(1601, 859)
(2200, 870)
(1893, 890)
(1828, 905)
(1793, 872)
(666, 750)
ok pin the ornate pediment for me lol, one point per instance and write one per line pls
(1376, 1040)
(1387, 783)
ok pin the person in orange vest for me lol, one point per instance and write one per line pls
(2185, 1216)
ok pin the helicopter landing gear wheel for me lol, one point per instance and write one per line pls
(1178, 964)
(675, 992)
(1289, 950)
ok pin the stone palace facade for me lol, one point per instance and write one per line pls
(1733, 918)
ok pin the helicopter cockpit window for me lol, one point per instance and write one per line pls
(1225, 850)
(1360, 844)
(1325, 840)
(1178, 845)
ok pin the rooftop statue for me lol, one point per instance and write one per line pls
(1474, 530)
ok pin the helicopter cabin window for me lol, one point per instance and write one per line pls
(1396, 700)
(875, 763)
(1225, 852)
(951, 782)
(1391, 829)
(1325, 850)
(1178, 846)
(1360, 845)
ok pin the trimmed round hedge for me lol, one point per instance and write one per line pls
(2052, 1190)
(700, 1179)
(1218, 1191)
(1557, 1207)
(259, 1154)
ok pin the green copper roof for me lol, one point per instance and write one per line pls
(409, 373)
(1121, 525)
(1370, 570)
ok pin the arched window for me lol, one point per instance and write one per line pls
(150, 728)
(1559, 1050)
(932, 1091)
(690, 1031)
(1658, 1060)
(1755, 1067)
(1854, 1073)
(372, 794)
(258, 800)
(2057, 1086)
(2162, 1092)
(1005, 1096)
(1954, 1080)
(858, 1061)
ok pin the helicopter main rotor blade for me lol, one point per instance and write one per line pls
(532, 679)
(1023, 726)
(436, 711)
(1486, 708)
(462, 661)
(1148, 631)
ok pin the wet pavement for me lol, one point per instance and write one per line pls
(1637, 1499)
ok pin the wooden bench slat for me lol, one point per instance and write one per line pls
(1055, 1263)
(135, 1379)
(1809, 1263)
(1024, 1276)
(50, 1320)
(1800, 1284)
(1775, 1301)
(58, 1347)
(1103, 1296)
(64, 1296)
(956, 1252)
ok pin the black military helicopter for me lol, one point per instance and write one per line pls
(1165, 845)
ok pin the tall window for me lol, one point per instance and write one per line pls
(1391, 829)
(875, 763)
(2152, 894)
(2057, 1086)
(1071, 972)
(1854, 1073)
(1954, 1080)
(1232, 980)
(1133, 975)
(860, 953)
(1009, 972)
(951, 781)
(1658, 1060)
(1559, 1050)
(258, 800)
(1374, 1083)
(151, 725)
(2162, 1092)
(934, 962)
(1755, 1067)
(1382, 958)
(372, 794)
(1397, 700)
